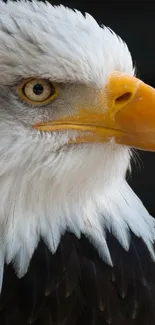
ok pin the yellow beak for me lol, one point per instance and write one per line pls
(125, 113)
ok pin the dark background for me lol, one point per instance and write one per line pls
(134, 21)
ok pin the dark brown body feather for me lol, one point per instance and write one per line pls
(75, 287)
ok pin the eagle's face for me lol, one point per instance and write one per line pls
(63, 161)
(54, 64)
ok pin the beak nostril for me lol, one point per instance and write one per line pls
(123, 99)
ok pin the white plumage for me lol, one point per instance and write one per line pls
(46, 186)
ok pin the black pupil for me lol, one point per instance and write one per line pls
(38, 89)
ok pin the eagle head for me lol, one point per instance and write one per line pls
(70, 110)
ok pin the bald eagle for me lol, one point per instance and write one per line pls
(76, 243)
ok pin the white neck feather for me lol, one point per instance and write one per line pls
(81, 189)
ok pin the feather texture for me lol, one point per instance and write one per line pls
(49, 188)
(74, 286)
(77, 245)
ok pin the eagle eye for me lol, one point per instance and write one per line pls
(37, 91)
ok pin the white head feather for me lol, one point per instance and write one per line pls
(47, 187)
